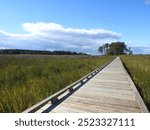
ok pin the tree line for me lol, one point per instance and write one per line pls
(114, 48)
(41, 52)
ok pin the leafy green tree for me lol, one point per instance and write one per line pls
(114, 48)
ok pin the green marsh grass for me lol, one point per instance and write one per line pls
(24, 81)
(139, 70)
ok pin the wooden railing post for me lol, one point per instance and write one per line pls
(54, 99)
(70, 89)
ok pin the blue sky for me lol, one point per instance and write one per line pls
(75, 25)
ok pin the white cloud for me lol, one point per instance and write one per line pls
(56, 29)
(41, 27)
(52, 36)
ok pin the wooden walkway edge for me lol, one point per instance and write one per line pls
(107, 89)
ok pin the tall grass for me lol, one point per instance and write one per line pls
(26, 81)
(139, 69)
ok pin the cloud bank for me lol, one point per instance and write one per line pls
(52, 36)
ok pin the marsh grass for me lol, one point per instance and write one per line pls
(26, 81)
(139, 70)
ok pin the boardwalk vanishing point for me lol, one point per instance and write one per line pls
(107, 89)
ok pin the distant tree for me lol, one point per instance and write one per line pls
(104, 48)
(129, 51)
(114, 48)
(100, 49)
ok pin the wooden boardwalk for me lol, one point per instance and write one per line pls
(110, 90)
